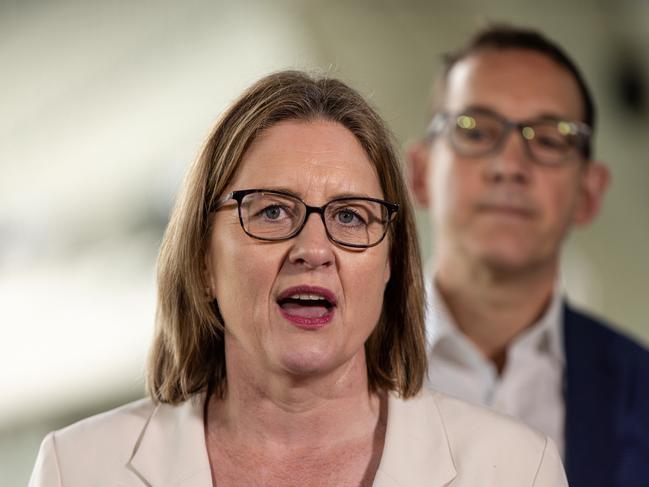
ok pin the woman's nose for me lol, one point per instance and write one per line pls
(312, 247)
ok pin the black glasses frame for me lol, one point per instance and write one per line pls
(392, 209)
(441, 120)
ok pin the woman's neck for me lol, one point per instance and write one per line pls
(282, 430)
(278, 410)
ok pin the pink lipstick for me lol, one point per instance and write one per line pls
(308, 307)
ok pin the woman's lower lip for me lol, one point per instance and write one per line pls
(308, 323)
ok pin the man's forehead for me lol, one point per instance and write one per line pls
(518, 83)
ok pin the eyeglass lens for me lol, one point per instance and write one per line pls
(353, 221)
(548, 141)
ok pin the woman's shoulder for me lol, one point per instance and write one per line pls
(112, 426)
(96, 443)
(106, 446)
(463, 421)
(468, 443)
(477, 425)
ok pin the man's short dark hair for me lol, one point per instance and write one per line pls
(501, 37)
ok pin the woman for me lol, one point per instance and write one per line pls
(289, 346)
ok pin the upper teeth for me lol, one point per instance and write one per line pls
(314, 297)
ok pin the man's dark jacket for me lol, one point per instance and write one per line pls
(607, 405)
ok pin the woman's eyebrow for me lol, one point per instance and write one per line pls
(279, 189)
(353, 195)
(282, 189)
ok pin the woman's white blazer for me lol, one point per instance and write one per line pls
(431, 440)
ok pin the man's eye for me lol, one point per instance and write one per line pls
(550, 142)
(474, 135)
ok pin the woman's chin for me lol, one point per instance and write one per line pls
(307, 363)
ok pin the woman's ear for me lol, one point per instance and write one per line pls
(417, 153)
(208, 276)
(387, 271)
(594, 182)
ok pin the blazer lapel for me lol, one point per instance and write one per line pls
(414, 438)
(171, 448)
(589, 389)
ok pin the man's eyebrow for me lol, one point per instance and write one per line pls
(552, 116)
(540, 116)
(478, 108)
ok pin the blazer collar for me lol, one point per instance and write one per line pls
(416, 451)
(171, 448)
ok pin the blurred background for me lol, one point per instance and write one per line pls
(104, 104)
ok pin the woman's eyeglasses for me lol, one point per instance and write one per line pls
(274, 215)
(477, 133)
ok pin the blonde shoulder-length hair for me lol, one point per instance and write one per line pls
(187, 355)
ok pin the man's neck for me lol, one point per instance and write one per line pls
(493, 308)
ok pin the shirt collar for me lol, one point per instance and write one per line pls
(544, 334)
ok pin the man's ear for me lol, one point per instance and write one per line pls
(417, 153)
(594, 182)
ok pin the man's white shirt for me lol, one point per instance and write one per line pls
(530, 386)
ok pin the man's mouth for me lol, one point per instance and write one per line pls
(509, 204)
(511, 210)
(307, 306)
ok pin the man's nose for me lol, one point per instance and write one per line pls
(312, 247)
(512, 163)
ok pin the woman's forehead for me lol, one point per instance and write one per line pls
(308, 157)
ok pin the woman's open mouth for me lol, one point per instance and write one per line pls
(307, 306)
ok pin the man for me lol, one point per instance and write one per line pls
(506, 171)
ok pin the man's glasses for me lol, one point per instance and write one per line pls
(477, 133)
(275, 215)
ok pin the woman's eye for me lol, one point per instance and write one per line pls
(272, 212)
(349, 217)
